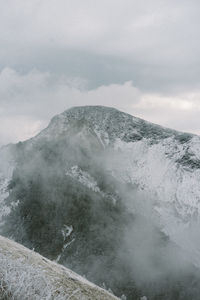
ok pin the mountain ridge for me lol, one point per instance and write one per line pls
(121, 120)
(95, 169)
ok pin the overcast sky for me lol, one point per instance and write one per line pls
(140, 56)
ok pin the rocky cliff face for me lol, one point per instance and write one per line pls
(96, 188)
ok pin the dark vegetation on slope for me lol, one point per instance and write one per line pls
(49, 199)
(106, 235)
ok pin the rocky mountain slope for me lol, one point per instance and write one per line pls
(111, 196)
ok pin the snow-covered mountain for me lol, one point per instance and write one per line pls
(86, 176)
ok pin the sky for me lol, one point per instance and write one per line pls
(139, 56)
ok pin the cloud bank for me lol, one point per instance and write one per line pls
(138, 56)
(28, 101)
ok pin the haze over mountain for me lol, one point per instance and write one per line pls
(111, 196)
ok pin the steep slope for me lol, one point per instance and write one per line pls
(25, 274)
(163, 162)
(111, 196)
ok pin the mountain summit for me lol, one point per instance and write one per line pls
(108, 121)
(111, 196)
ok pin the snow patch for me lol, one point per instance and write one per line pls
(84, 178)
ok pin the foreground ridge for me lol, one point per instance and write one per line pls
(25, 274)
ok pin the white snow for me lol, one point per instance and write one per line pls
(66, 232)
(173, 188)
(84, 178)
(153, 166)
(87, 180)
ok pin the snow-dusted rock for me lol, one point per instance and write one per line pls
(162, 164)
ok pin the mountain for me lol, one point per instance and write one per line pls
(27, 275)
(111, 196)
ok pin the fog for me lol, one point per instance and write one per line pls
(115, 239)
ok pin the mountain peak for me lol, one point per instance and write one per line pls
(106, 121)
(97, 170)
(93, 113)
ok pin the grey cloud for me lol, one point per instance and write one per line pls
(54, 55)
(154, 44)
(29, 100)
(105, 69)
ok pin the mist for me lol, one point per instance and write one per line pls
(75, 205)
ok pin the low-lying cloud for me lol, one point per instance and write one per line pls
(29, 100)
